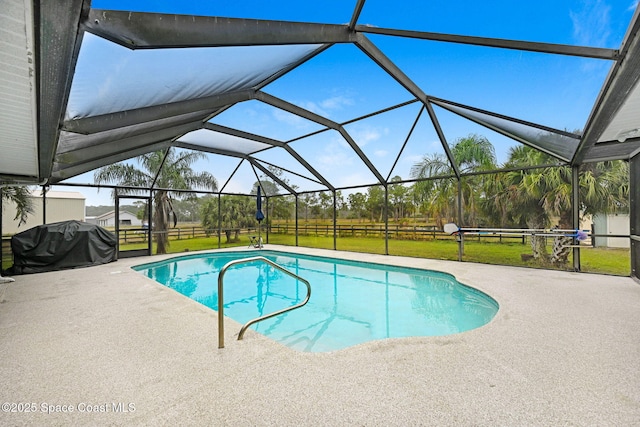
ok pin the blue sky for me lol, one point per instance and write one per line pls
(342, 83)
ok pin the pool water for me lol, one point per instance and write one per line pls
(351, 302)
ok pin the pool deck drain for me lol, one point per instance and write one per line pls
(106, 346)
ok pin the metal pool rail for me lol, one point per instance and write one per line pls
(257, 319)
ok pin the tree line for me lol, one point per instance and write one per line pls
(534, 190)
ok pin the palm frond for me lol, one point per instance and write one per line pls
(20, 196)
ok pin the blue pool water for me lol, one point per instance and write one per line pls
(351, 302)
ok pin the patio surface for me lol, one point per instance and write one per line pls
(564, 349)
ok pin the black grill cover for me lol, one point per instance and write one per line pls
(61, 245)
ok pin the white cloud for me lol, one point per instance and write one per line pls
(289, 119)
(592, 24)
(364, 136)
(336, 102)
(238, 186)
(324, 107)
(335, 155)
(353, 180)
(313, 107)
(380, 153)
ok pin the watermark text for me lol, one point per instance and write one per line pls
(60, 408)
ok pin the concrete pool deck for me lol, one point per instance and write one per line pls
(119, 349)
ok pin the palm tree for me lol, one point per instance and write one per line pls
(238, 212)
(175, 174)
(516, 196)
(538, 196)
(20, 196)
(473, 153)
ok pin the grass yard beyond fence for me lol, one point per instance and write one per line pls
(594, 260)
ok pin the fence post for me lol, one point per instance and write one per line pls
(6, 250)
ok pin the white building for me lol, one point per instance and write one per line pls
(58, 206)
(109, 219)
(612, 224)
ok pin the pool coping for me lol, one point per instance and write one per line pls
(561, 350)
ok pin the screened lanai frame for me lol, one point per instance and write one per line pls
(71, 144)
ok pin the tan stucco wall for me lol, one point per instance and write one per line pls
(60, 206)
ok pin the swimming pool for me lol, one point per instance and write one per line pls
(351, 302)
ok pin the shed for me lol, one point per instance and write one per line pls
(612, 224)
(109, 219)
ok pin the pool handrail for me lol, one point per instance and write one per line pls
(257, 319)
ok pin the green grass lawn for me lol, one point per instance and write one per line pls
(606, 260)
(595, 260)
(187, 245)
